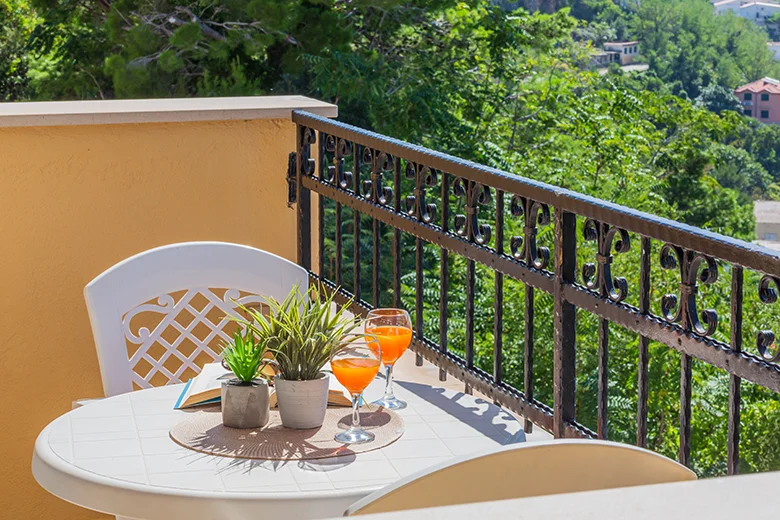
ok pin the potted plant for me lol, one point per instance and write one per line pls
(301, 331)
(245, 399)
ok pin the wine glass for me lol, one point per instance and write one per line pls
(393, 329)
(355, 362)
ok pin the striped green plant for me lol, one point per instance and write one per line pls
(300, 331)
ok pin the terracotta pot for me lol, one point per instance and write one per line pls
(302, 404)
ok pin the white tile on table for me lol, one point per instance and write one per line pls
(60, 430)
(417, 431)
(316, 486)
(112, 466)
(64, 450)
(106, 449)
(102, 424)
(370, 455)
(406, 467)
(256, 475)
(163, 433)
(184, 460)
(369, 485)
(105, 408)
(158, 407)
(304, 476)
(367, 470)
(202, 480)
(466, 445)
(159, 446)
(410, 449)
(157, 422)
(327, 464)
(105, 436)
(408, 415)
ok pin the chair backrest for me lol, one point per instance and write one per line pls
(158, 316)
(525, 470)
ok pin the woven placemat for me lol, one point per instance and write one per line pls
(203, 431)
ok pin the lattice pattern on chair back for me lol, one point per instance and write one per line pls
(171, 337)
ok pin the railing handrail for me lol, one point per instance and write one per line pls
(752, 256)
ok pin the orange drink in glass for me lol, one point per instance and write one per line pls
(355, 374)
(393, 329)
(355, 363)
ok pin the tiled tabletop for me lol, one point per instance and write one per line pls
(122, 444)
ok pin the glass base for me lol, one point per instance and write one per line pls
(391, 404)
(354, 436)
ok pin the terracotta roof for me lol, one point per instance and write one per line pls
(767, 211)
(763, 85)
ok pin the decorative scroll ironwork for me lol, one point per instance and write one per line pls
(340, 148)
(682, 309)
(524, 248)
(372, 188)
(765, 340)
(468, 225)
(308, 138)
(599, 275)
(416, 205)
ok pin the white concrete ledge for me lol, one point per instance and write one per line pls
(56, 113)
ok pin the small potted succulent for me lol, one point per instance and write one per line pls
(245, 399)
(301, 331)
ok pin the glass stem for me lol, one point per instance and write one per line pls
(355, 411)
(389, 383)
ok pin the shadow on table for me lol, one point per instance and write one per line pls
(481, 417)
(274, 446)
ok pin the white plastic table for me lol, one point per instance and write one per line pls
(116, 456)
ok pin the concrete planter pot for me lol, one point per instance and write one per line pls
(245, 406)
(302, 404)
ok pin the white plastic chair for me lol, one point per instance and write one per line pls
(176, 275)
(525, 470)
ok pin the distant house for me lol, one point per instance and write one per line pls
(727, 5)
(603, 58)
(758, 12)
(767, 213)
(761, 100)
(626, 50)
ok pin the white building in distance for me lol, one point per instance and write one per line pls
(758, 12)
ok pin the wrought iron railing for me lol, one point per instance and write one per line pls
(364, 171)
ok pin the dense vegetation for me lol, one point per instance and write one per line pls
(495, 85)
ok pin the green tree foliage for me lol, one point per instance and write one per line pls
(717, 98)
(684, 42)
(16, 22)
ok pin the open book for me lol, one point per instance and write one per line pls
(206, 388)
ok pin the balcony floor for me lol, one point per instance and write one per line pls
(405, 370)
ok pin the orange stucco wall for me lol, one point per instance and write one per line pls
(76, 200)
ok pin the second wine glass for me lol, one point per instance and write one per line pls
(393, 329)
